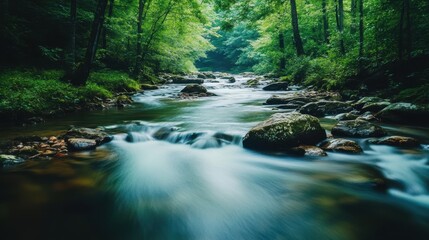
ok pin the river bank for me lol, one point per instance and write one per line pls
(178, 164)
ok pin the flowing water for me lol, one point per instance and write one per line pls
(199, 183)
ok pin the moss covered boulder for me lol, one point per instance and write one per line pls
(405, 113)
(283, 131)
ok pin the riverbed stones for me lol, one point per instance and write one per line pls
(357, 128)
(397, 141)
(8, 160)
(279, 86)
(312, 151)
(341, 145)
(323, 108)
(405, 113)
(367, 100)
(81, 144)
(97, 134)
(284, 130)
(375, 107)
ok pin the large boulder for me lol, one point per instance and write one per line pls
(397, 141)
(367, 100)
(81, 144)
(405, 113)
(341, 145)
(194, 88)
(98, 135)
(280, 86)
(323, 108)
(375, 107)
(283, 131)
(357, 128)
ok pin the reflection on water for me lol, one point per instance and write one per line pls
(176, 170)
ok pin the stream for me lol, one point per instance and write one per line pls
(199, 183)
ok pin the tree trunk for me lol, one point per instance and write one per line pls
(282, 63)
(408, 29)
(71, 60)
(340, 24)
(401, 34)
(295, 26)
(325, 22)
(80, 76)
(104, 31)
(353, 14)
(137, 67)
(361, 34)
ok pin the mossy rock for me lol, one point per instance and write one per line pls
(283, 131)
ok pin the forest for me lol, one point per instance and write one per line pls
(214, 119)
(348, 45)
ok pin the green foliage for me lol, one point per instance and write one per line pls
(27, 92)
(113, 81)
(415, 95)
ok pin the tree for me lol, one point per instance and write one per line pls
(71, 61)
(104, 30)
(325, 22)
(295, 25)
(282, 52)
(138, 62)
(361, 34)
(340, 23)
(80, 76)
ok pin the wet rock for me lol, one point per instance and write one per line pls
(375, 107)
(284, 130)
(357, 128)
(81, 144)
(163, 133)
(25, 150)
(313, 151)
(405, 113)
(397, 141)
(341, 145)
(183, 80)
(275, 100)
(280, 86)
(254, 82)
(367, 116)
(289, 106)
(149, 87)
(346, 116)
(231, 79)
(194, 88)
(323, 108)
(367, 100)
(98, 135)
(123, 100)
(8, 160)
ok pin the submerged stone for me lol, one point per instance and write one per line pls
(357, 128)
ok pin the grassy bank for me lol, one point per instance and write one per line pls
(26, 93)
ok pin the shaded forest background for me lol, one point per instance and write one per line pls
(79, 49)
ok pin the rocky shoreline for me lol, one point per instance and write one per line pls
(295, 130)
